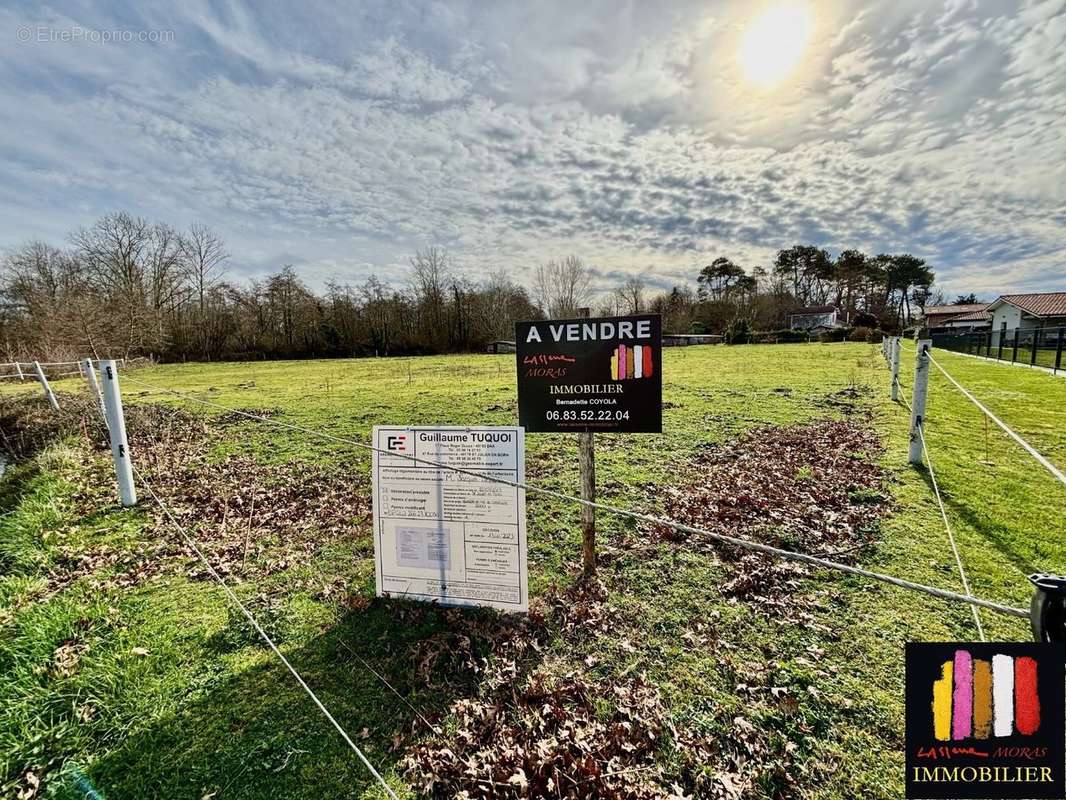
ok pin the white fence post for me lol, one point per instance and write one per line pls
(89, 371)
(895, 351)
(48, 393)
(116, 425)
(921, 385)
(18, 369)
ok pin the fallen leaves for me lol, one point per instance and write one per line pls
(552, 736)
(811, 488)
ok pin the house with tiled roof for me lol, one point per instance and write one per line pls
(1036, 310)
(962, 316)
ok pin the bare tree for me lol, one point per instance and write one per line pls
(164, 268)
(563, 287)
(631, 295)
(204, 255)
(430, 280)
(113, 252)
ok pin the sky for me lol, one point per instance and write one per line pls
(647, 138)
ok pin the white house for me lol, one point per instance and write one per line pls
(813, 317)
(1038, 310)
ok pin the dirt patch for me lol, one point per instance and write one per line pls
(813, 488)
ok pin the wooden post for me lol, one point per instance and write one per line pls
(94, 385)
(586, 446)
(895, 351)
(48, 393)
(921, 384)
(116, 425)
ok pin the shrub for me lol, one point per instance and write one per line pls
(782, 336)
(861, 333)
(864, 319)
(835, 335)
(738, 332)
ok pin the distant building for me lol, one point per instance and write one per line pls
(964, 317)
(812, 317)
(1037, 310)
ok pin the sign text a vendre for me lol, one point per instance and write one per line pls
(600, 374)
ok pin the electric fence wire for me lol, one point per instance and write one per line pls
(263, 634)
(766, 549)
(259, 628)
(1055, 471)
(903, 394)
(947, 527)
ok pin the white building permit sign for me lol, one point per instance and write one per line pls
(447, 536)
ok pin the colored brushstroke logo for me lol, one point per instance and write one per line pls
(986, 720)
(978, 698)
(632, 361)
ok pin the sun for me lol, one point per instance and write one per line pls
(774, 43)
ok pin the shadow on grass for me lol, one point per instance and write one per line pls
(998, 535)
(256, 734)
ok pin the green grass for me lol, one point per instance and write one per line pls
(208, 709)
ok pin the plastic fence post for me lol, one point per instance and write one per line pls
(94, 385)
(18, 369)
(895, 348)
(48, 393)
(116, 425)
(921, 385)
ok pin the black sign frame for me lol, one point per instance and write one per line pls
(590, 374)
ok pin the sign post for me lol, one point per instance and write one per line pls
(586, 461)
(586, 375)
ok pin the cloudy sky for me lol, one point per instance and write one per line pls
(648, 138)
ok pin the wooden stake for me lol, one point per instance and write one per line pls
(587, 463)
(586, 446)
(248, 534)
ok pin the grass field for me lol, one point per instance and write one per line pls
(154, 687)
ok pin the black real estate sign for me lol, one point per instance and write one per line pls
(602, 374)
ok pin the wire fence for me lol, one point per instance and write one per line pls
(923, 360)
(913, 401)
(607, 508)
(1037, 347)
(27, 370)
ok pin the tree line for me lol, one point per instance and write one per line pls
(125, 286)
